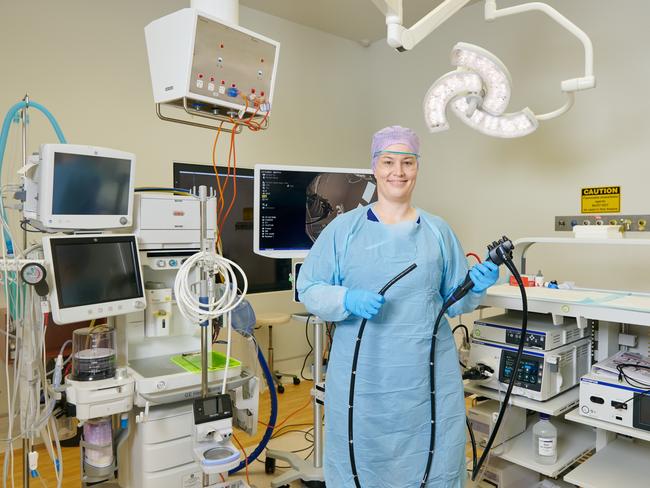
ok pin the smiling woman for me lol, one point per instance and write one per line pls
(352, 258)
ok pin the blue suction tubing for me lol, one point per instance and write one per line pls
(272, 419)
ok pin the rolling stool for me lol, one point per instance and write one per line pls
(271, 319)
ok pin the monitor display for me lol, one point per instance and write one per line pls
(94, 270)
(264, 275)
(85, 184)
(295, 203)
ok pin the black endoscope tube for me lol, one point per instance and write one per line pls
(513, 378)
(353, 374)
(501, 256)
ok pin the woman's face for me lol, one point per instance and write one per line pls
(396, 173)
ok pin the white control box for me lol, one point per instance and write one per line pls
(482, 418)
(214, 64)
(167, 221)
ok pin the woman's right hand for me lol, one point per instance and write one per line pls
(363, 303)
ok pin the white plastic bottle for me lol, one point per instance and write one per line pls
(545, 440)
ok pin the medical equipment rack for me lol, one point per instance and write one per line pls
(615, 459)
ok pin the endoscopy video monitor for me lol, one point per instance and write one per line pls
(77, 187)
(264, 274)
(94, 276)
(293, 204)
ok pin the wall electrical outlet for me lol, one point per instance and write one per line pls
(630, 223)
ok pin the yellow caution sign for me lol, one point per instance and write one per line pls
(601, 199)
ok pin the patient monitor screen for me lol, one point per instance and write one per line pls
(296, 205)
(95, 270)
(90, 185)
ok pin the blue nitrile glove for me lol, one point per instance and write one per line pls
(362, 303)
(484, 275)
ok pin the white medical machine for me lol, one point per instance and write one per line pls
(612, 401)
(504, 474)
(75, 187)
(204, 64)
(164, 361)
(95, 276)
(482, 418)
(166, 222)
(543, 373)
(614, 391)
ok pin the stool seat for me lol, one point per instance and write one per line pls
(272, 318)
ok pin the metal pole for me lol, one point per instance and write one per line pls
(26, 442)
(205, 343)
(318, 378)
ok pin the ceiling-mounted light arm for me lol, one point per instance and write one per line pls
(563, 109)
(404, 39)
(574, 84)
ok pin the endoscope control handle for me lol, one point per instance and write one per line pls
(498, 252)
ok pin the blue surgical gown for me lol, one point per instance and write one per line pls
(392, 398)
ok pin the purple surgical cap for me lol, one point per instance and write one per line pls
(394, 134)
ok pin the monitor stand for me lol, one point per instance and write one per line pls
(311, 474)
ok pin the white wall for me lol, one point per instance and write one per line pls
(86, 62)
(486, 187)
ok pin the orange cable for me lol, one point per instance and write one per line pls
(245, 457)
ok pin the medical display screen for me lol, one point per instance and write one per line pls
(90, 185)
(528, 375)
(264, 274)
(93, 270)
(296, 205)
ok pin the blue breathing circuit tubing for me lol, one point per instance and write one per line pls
(274, 415)
(4, 135)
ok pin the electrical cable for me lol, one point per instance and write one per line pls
(311, 349)
(472, 440)
(353, 376)
(154, 189)
(191, 307)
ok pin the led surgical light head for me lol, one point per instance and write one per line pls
(478, 92)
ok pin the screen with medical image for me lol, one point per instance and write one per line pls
(90, 185)
(93, 270)
(296, 205)
(264, 274)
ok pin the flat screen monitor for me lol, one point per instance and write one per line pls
(94, 276)
(293, 204)
(81, 188)
(264, 275)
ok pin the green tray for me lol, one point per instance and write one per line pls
(192, 362)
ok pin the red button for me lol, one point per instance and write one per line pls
(233, 85)
(262, 94)
(223, 82)
(212, 78)
(252, 90)
(200, 75)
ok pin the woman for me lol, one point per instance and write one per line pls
(354, 256)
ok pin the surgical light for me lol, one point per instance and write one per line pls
(478, 91)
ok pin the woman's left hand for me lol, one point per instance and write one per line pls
(484, 275)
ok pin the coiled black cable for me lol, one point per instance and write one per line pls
(355, 358)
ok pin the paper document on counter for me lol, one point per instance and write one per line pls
(608, 367)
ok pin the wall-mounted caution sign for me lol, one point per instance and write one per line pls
(601, 199)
